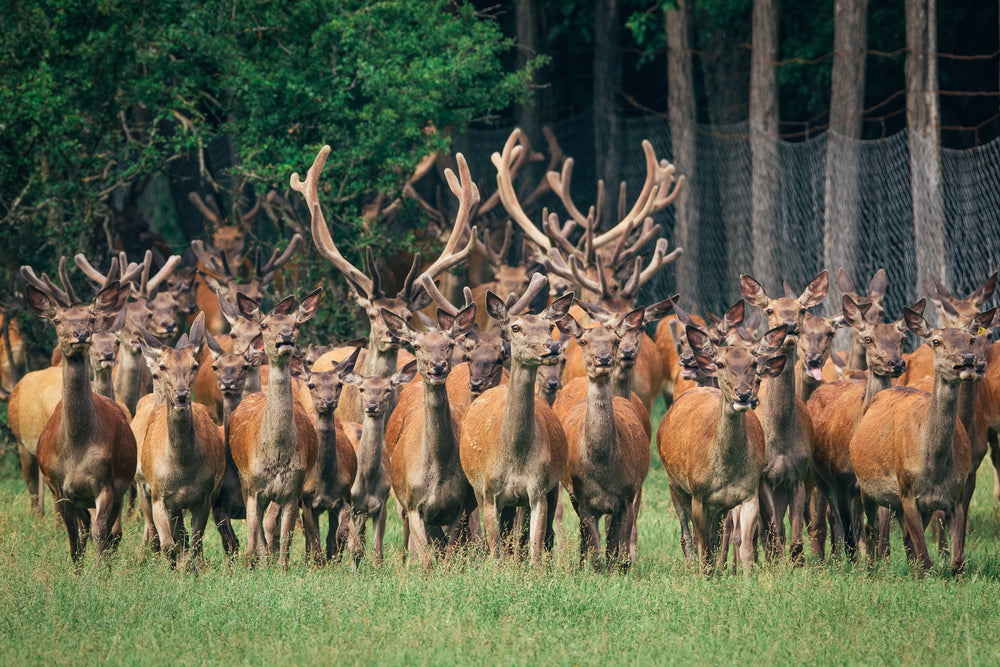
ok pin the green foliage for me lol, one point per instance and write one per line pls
(98, 96)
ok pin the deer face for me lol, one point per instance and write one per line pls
(279, 329)
(530, 336)
(75, 325)
(231, 372)
(956, 349)
(104, 349)
(815, 340)
(377, 392)
(175, 369)
(433, 349)
(325, 388)
(883, 342)
(486, 358)
(230, 240)
(787, 310)
(164, 315)
(738, 368)
(380, 335)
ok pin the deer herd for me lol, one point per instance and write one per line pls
(539, 379)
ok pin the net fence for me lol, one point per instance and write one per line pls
(823, 215)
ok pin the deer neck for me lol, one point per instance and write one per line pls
(968, 392)
(278, 426)
(805, 384)
(79, 416)
(180, 429)
(938, 432)
(621, 381)
(253, 384)
(326, 433)
(128, 380)
(380, 362)
(599, 434)
(731, 446)
(778, 406)
(858, 357)
(103, 383)
(229, 403)
(517, 435)
(440, 443)
(370, 470)
(873, 385)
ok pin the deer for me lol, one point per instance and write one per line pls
(86, 451)
(425, 469)
(876, 292)
(608, 445)
(787, 425)
(183, 454)
(929, 463)
(132, 376)
(383, 349)
(371, 486)
(836, 408)
(13, 357)
(711, 443)
(328, 487)
(272, 440)
(513, 449)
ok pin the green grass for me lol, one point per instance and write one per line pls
(138, 611)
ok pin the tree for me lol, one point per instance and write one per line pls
(607, 87)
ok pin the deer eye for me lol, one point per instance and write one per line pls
(215, 367)
(936, 343)
(195, 367)
(56, 321)
(416, 347)
(582, 343)
(769, 311)
(515, 328)
(867, 340)
(720, 365)
(263, 326)
(162, 367)
(246, 367)
(552, 328)
(311, 385)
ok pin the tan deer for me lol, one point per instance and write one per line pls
(836, 408)
(910, 453)
(183, 455)
(272, 440)
(383, 349)
(787, 424)
(876, 292)
(513, 449)
(712, 445)
(371, 483)
(425, 468)
(608, 455)
(86, 451)
(328, 487)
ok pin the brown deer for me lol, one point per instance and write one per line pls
(910, 453)
(712, 445)
(183, 455)
(608, 455)
(371, 483)
(787, 424)
(425, 469)
(512, 447)
(272, 441)
(328, 487)
(836, 409)
(383, 349)
(86, 451)
(876, 292)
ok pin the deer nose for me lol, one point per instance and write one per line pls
(182, 396)
(440, 367)
(969, 359)
(743, 395)
(603, 359)
(476, 384)
(897, 365)
(814, 359)
(81, 335)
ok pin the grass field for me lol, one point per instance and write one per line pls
(472, 611)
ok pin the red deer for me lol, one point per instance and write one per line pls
(183, 455)
(910, 453)
(512, 447)
(273, 443)
(608, 455)
(876, 292)
(712, 445)
(86, 451)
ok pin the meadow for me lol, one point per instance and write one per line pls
(474, 611)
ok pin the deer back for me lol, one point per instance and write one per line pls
(32, 403)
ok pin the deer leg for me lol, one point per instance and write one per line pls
(816, 523)
(884, 525)
(32, 478)
(149, 537)
(994, 439)
(314, 551)
(915, 524)
(162, 520)
(958, 523)
(796, 515)
(939, 533)
(199, 521)
(702, 534)
(270, 527)
(490, 518)
(589, 536)
(552, 500)
(633, 542)
(356, 538)
(289, 516)
(421, 542)
(406, 528)
(537, 530)
(220, 516)
(728, 524)
(77, 538)
(105, 518)
(747, 519)
(378, 527)
(766, 516)
(782, 498)
(254, 531)
(557, 522)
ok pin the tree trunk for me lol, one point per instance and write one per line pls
(763, 145)
(681, 108)
(529, 114)
(923, 120)
(607, 83)
(847, 95)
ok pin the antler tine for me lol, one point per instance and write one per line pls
(468, 197)
(632, 285)
(89, 270)
(212, 262)
(556, 159)
(560, 234)
(497, 258)
(554, 263)
(537, 284)
(376, 290)
(559, 183)
(64, 279)
(505, 187)
(212, 212)
(660, 259)
(45, 285)
(161, 275)
(320, 231)
(617, 257)
(144, 279)
(246, 218)
(434, 293)
(648, 233)
(279, 259)
(646, 200)
(582, 280)
(665, 178)
(942, 291)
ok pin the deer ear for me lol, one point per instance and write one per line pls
(853, 314)
(844, 282)
(916, 323)
(299, 369)
(308, 306)
(405, 374)
(396, 325)
(569, 326)
(152, 349)
(878, 285)
(464, 321)
(495, 307)
(773, 339)
(420, 299)
(816, 290)
(700, 342)
(39, 302)
(558, 308)
(659, 310)
(106, 301)
(347, 365)
(734, 316)
(248, 308)
(982, 322)
(353, 379)
(753, 291)
(632, 321)
(985, 291)
(773, 367)
(197, 335)
(257, 343)
(214, 348)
